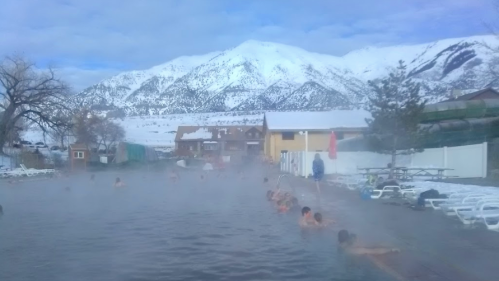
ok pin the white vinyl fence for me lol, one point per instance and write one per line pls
(469, 161)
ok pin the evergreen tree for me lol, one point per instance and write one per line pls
(396, 107)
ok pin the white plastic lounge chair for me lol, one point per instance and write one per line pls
(26, 171)
(389, 189)
(473, 204)
(452, 198)
(411, 191)
(33, 172)
(468, 216)
(487, 211)
(467, 203)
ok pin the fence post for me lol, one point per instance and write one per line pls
(484, 159)
(445, 160)
(281, 163)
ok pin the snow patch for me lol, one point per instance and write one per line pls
(201, 133)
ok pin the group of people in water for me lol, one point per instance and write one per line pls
(286, 202)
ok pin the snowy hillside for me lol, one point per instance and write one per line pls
(161, 130)
(264, 76)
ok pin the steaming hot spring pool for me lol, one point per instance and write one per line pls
(219, 229)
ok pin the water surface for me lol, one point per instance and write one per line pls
(218, 229)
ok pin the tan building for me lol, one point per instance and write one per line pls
(285, 131)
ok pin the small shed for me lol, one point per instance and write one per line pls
(78, 156)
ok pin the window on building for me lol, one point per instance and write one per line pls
(250, 134)
(257, 135)
(233, 146)
(210, 146)
(78, 154)
(340, 135)
(288, 135)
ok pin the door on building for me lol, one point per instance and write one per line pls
(254, 148)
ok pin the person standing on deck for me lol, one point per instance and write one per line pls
(318, 170)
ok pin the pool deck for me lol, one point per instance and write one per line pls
(434, 246)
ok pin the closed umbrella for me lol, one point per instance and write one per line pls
(332, 146)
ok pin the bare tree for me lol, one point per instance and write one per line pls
(109, 133)
(84, 127)
(28, 94)
(59, 133)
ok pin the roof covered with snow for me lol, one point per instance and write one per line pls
(316, 120)
(213, 133)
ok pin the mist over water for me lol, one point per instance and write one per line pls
(153, 229)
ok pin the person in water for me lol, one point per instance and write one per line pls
(348, 242)
(119, 183)
(320, 221)
(295, 206)
(285, 207)
(318, 170)
(92, 177)
(306, 217)
(276, 195)
(270, 194)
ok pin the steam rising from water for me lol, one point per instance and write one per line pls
(217, 228)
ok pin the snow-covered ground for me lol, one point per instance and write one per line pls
(160, 130)
(5, 162)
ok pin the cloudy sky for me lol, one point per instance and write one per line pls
(91, 40)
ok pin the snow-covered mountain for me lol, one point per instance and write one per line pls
(262, 75)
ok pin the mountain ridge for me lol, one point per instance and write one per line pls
(259, 75)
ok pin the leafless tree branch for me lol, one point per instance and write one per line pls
(30, 94)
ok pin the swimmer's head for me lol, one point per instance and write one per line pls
(306, 212)
(294, 201)
(318, 217)
(270, 195)
(118, 180)
(265, 180)
(346, 238)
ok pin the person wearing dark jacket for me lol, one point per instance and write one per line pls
(318, 170)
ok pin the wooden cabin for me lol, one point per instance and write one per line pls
(78, 156)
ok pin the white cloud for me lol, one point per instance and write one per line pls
(80, 78)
